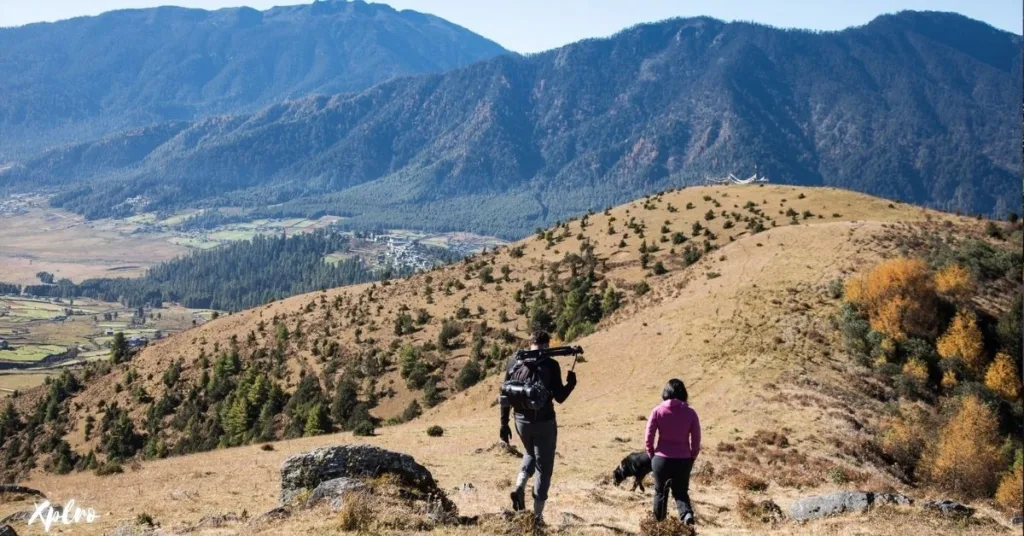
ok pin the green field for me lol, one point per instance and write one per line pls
(232, 235)
(30, 352)
(22, 310)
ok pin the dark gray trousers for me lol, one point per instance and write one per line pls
(539, 440)
(674, 474)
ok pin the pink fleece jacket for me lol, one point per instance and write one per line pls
(678, 430)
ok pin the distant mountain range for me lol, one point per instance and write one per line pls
(918, 106)
(87, 77)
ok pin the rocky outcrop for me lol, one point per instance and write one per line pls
(830, 505)
(949, 508)
(305, 472)
(841, 503)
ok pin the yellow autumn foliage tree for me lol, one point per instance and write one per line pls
(963, 340)
(916, 371)
(955, 282)
(949, 380)
(1002, 378)
(965, 459)
(904, 435)
(898, 296)
(1010, 494)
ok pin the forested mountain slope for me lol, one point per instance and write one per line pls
(918, 106)
(86, 77)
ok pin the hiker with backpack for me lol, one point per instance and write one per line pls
(532, 384)
(678, 430)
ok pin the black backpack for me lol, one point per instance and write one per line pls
(525, 390)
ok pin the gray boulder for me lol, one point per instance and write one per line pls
(334, 491)
(893, 498)
(1017, 520)
(949, 508)
(830, 505)
(306, 471)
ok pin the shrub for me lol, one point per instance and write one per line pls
(1002, 378)
(641, 288)
(469, 375)
(356, 514)
(145, 519)
(109, 468)
(435, 431)
(1010, 494)
(449, 331)
(904, 436)
(963, 340)
(898, 297)
(746, 482)
(753, 513)
(659, 269)
(954, 282)
(916, 371)
(966, 455)
(649, 526)
(835, 288)
(412, 411)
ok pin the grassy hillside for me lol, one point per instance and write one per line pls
(752, 325)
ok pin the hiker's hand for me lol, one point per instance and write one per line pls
(505, 434)
(570, 379)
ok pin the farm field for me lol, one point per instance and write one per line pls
(37, 328)
(35, 238)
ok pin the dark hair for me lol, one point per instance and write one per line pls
(540, 337)
(674, 389)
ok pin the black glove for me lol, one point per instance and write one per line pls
(570, 379)
(505, 434)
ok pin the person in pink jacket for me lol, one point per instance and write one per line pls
(678, 430)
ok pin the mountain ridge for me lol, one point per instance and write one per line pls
(512, 143)
(74, 81)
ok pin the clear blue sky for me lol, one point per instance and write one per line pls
(535, 25)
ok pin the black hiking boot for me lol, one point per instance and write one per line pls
(518, 500)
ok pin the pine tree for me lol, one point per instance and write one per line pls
(346, 398)
(118, 348)
(318, 421)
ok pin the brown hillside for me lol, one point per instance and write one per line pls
(749, 328)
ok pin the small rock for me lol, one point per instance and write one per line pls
(1017, 521)
(7, 530)
(893, 498)
(334, 491)
(466, 487)
(949, 508)
(830, 505)
(770, 512)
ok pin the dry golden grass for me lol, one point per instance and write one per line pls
(64, 244)
(752, 345)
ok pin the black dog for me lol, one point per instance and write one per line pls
(636, 465)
